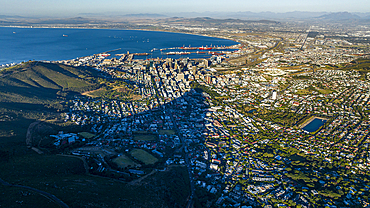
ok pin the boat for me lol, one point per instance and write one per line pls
(65, 35)
(104, 54)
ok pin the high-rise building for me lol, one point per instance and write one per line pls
(206, 63)
(274, 95)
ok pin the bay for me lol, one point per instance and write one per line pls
(24, 44)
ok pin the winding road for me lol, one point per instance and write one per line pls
(43, 193)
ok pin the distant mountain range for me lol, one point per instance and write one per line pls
(275, 16)
(255, 16)
(209, 20)
(86, 18)
(145, 15)
(295, 15)
(339, 16)
(75, 20)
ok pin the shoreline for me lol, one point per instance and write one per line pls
(113, 28)
(109, 28)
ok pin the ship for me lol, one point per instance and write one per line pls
(216, 53)
(177, 53)
(171, 53)
(188, 48)
(104, 54)
(205, 48)
(141, 54)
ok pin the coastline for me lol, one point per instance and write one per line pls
(114, 28)
(10, 63)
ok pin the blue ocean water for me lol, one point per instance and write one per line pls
(314, 125)
(23, 44)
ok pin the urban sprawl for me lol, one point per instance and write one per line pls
(238, 122)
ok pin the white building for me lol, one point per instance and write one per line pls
(274, 95)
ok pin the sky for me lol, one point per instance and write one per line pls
(75, 7)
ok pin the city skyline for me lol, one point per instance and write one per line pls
(54, 8)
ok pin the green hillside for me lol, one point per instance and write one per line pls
(36, 90)
(36, 82)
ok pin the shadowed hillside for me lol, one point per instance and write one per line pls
(34, 91)
(36, 82)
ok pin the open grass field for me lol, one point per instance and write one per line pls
(297, 157)
(143, 156)
(123, 161)
(95, 93)
(113, 90)
(321, 89)
(140, 132)
(169, 132)
(145, 137)
(86, 135)
(304, 92)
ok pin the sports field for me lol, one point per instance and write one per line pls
(169, 132)
(143, 156)
(86, 135)
(145, 137)
(123, 161)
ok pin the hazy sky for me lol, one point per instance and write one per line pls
(75, 7)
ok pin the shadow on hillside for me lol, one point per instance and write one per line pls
(185, 112)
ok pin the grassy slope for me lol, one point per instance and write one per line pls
(36, 82)
(34, 91)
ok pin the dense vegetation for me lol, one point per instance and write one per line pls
(201, 88)
(288, 119)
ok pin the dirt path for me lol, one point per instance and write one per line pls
(137, 181)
